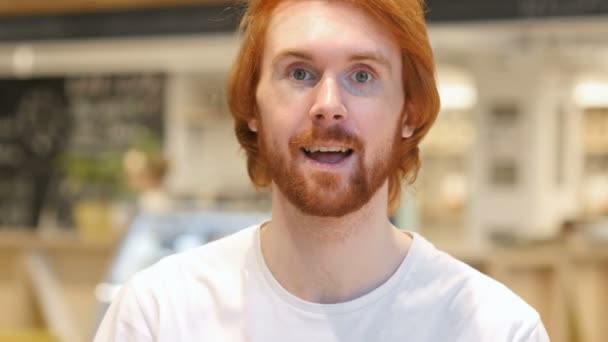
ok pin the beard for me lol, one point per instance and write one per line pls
(325, 193)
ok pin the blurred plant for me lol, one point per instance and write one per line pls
(101, 175)
(93, 175)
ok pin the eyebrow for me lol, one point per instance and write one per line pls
(356, 57)
(291, 53)
(371, 56)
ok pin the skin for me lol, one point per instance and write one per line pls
(327, 63)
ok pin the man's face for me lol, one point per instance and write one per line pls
(330, 99)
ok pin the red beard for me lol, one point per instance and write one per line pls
(328, 194)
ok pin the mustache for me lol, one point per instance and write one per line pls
(333, 134)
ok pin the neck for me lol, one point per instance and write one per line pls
(330, 260)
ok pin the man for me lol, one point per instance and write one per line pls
(330, 100)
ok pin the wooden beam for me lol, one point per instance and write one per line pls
(45, 7)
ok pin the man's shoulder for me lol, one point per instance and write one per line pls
(465, 291)
(221, 256)
(189, 284)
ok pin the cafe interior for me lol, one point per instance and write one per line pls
(117, 149)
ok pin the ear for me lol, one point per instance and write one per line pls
(407, 130)
(253, 124)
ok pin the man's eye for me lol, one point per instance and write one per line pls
(300, 75)
(361, 76)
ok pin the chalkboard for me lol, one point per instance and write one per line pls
(58, 132)
(110, 112)
(34, 127)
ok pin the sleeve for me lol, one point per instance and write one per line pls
(537, 334)
(124, 320)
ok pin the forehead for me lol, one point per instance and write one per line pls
(333, 25)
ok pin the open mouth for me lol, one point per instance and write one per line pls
(327, 155)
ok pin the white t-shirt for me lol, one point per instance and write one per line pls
(224, 292)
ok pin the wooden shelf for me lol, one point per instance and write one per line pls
(560, 280)
(27, 239)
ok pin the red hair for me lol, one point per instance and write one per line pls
(404, 20)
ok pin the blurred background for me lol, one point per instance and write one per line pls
(116, 149)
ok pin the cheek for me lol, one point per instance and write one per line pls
(377, 124)
(283, 110)
(375, 114)
(277, 96)
(275, 125)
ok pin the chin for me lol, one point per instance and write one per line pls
(323, 204)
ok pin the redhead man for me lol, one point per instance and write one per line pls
(330, 100)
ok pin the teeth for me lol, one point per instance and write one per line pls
(312, 149)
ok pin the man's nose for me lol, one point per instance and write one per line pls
(328, 106)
